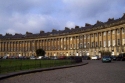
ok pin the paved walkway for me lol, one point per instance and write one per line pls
(4, 76)
(94, 72)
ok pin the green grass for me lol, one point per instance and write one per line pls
(13, 65)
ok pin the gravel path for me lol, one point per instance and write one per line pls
(94, 72)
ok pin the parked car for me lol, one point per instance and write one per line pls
(45, 58)
(5, 57)
(113, 58)
(106, 59)
(32, 57)
(53, 57)
(121, 57)
(0, 57)
(39, 57)
(62, 57)
(86, 57)
(95, 57)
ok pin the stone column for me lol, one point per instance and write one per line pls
(120, 36)
(121, 49)
(50, 45)
(5, 46)
(116, 41)
(102, 43)
(116, 37)
(12, 46)
(111, 39)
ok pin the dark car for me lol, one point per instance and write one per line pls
(113, 58)
(0, 57)
(106, 59)
(62, 57)
(86, 57)
(121, 57)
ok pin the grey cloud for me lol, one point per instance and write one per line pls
(32, 23)
(19, 16)
(92, 10)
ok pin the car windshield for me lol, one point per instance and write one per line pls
(106, 57)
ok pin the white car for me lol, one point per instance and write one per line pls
(39, 57)
(5, 57)
(32, 58)
(94, 57)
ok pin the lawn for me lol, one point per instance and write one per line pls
(12, 65)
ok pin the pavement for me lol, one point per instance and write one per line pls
(94, 72)
(8, 75)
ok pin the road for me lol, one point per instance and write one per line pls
(94, 72)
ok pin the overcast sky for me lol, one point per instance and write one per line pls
(19, 16)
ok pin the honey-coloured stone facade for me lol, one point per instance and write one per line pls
(89, 40)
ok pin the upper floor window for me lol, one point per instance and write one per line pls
(100, 43)
(118, 31)
(109, 43)
(92, 35)
(64, 39)
(123, 31)
(84, 36)
(92, 44)
(84, 45)
(118, 41)
(71, 38)
(61, 39)
(96, 34)
(88, 44)
(80, 37)
(77, 38)
(88, 36)
(113, 32)
(80, 45)
(108, 32)
(100, 34)
(74, 46)
(96, 44)
(104, 43)
(104, 33)
(123, 41)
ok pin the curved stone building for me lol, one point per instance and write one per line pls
(88, 40)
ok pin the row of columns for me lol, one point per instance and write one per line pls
(65, 43)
